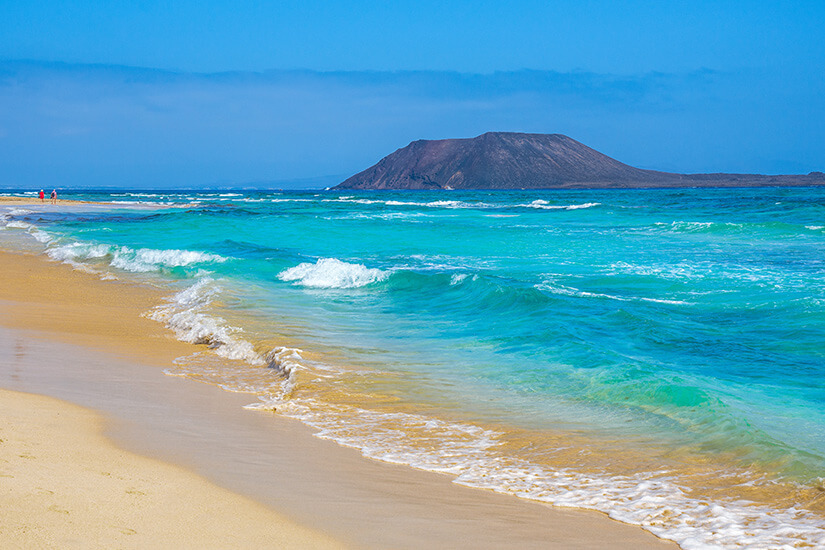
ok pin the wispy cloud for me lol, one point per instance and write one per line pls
(70, 125)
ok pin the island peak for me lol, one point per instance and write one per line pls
(515, 160)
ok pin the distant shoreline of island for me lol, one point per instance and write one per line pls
(511, 160)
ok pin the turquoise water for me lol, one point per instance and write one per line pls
(655, 354)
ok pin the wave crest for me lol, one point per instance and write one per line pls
(183, 313)
(544, 205)
(332, 273)
(140, 260)
(8, 221)
(147, 259)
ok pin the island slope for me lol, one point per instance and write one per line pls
(509, 160)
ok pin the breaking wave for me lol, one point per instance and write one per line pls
(571, 291)
(140, 260)
(544, 205)
(7, 221)
(429, 204)
(655, 501)
(332, 273)
(185, 313)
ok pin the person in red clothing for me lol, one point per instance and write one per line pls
(42, 196)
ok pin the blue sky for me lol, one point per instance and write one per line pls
(184, 93)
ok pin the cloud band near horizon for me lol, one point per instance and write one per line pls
(72, 125)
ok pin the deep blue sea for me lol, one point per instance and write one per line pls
(655, 354)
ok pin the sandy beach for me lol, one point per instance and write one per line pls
(522, 276)
(65, 485)
(235, 477)
(34, 201)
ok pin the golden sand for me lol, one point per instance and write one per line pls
(29, 201)
(77, 307)
(62, 484)
(376, 505)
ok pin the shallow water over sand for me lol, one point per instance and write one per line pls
(654, 354)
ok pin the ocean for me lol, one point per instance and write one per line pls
(658, 355)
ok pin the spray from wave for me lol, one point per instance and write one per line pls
(140, 260)
(186, 314)
(544, 205)
(332, 273)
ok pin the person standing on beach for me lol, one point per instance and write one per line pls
(54, 196)
(42, 196)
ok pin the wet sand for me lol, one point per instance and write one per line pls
(69, 335)
(34, 201)
(65, 485)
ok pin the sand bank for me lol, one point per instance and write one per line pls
(65, 485)
(34, 201)
(73, 336)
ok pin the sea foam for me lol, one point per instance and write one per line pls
(544, 205)
(19, 212)
(653, 500)
(553, 288)
(184, 314)
(140, 260)
(147, 259)
(332, 273)
(34, 231)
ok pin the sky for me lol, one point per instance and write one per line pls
(304, 94)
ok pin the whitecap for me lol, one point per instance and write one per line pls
(18, 225)
(183, 313)
(431, 204)
(186, 313)
(332, 273)
(78, 251)
(147, 259)
(544, 205)
(688, 226)
(141, 260)
(39, 235)
(19, 212)
(571, 291)
(662, 301)
(401, 203)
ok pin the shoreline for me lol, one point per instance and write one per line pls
(27, 201)
(204, 429)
